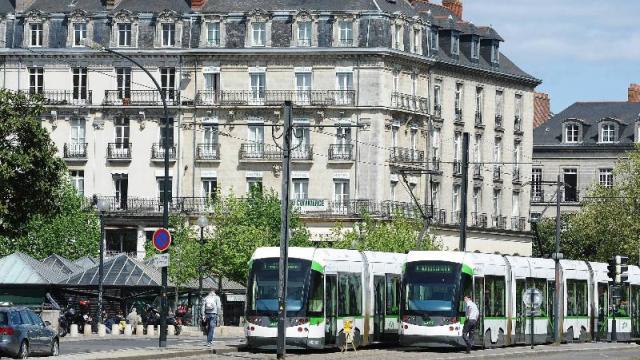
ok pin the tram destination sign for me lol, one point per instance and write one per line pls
(273, 266)
(434, 268)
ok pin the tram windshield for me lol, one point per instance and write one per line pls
(433, 288)
(262, 298)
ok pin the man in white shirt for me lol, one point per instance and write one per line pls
(211, 307)
(468, 330)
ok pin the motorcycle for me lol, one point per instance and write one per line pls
(152, 317)
(65, 320)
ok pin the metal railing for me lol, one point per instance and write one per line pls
(157, 151)
(408, 102)
(435, 164)
(140, 97)
(390, 209)
(478, 118)
(455, 217)
(276, 97)
(406, 155)
(537, 196)
(119, 151)
(65, 97)
(440, 216)
(437, 110)
(518, 223)
(479, 220)
(497, 173)
(458, 115)
(75, 150)
(515, 177)
(477, 171)
(341, 152)
(570, 195)
(208, 152)
(498, 124)
(156, 205)
(499, 222)
(517, 125)
(457, 167)
(344, 43)
(260, 151)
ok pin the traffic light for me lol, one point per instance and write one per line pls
(621, 269)
(611, 269)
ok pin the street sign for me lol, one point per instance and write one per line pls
(161, 239)
(532, 293)
(161, 260)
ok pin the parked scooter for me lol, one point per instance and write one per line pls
(152, 317)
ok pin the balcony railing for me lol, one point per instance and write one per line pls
(208, 152)
(406, 156)
(498, 125)
(455, 217)
(156, 205)
(477, 171)
(457, 167)
(260, 151)
(410, 102)
(344, 43)
(276, 97)
(435, 164)
(140, 97)
(458, 117)
(390, 209)
(478, 118)
(479, 220)
(439, 216)
(65, 97)
(157, 152)
(119, 151)
(515, 178)
(537, 196)
(499, 222)
(518, 223)
(76, 151)
(517, 125)
(497, 173)
(342, 152)
(571, 196)
(437, 110)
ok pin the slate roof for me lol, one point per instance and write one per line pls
(271, 5)
(20, 268)
(590, 113)
(65, 266)
(180, 6)
(67, 6)
(6, 7)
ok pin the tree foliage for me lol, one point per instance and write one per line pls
(608, 223)
(31, 175)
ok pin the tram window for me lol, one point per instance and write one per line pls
(467, 289)
(541, 285)
(622, 310)
(494, 296)
(577, 298)
(349, 294)
(316, 296)
(393, 294)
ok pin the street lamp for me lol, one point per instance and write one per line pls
(202, 222)
(103, 206)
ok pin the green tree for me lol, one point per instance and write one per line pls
(397, 235)
(73, 231)
(31, 174)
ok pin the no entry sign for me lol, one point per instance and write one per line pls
(161, 239)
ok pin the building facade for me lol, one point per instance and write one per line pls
(580, 146)
(396, 83)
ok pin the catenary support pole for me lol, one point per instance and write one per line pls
(463, 190)
(100, 272)
(556, 294)
(284, 231)
(531, 316)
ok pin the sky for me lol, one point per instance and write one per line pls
(582, 50)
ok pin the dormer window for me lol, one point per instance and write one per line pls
(79, 28)
(345, 31)
(36, 34)
(304, 27)
(304, 33)
(475, 48)
(455, 44)
(607, 133)
(124, 32)
(36, 29)
(259, 29)
(416, 40)
(397, 37)
(168, 35)
(495, 52)
(258, 33)
(572, 133)
(124, 35)
(434, 39)
(79, 34)
(168, 30)
(213, 34)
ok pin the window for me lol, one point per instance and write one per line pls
(209, 188)
(577, 298)
(168, 35)
(434, 39)
(494, 296)
(415, 44)
(36, 34)
(495, 52)
(457, 147)
(303, 87)
(161, 190)
(475, 48)
(497, 151)
(345, 34)
(396, 80)
(304, 33)
(349, 294)
(518, 110)
(606, 177)
(254, 185)
(36, 80)
(435, 195)
(341, 191)
(570, 179)
(300, 189)
(301, 140)
(437, 97)
(213, 34)
(258, 33)
(392, 190)
(397, 31)
(499, 103)
(345, 86)
(77, 180)
(163, 132)
(536, 183)
(414, 84)
(515, 204)
(455, 43)
(571, 133)
(435, 144)
(79, 83)
(455, 201)
(479, 104)
(316, 295)
(477, 201)
(393, 294)
(607, 133)
(458, 100)
(123, 78)
(79, 34)
(168, 82)
(497, 202)
(258, 85)
(77, 137)
(122, 132)
(124, 34)
(121, 185)
(394, 134)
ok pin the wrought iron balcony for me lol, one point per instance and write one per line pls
(455, 217)
(406, 156)
(515, 178)
(479, 220)
(458, 116)
(518, 223)
(140, 97)
(390, 209)
(157, 152)
(457, 168)
(145, 206)
(537, 196)
(343, 152)
(478, 119)
(437, 111)
(477, 172)
(206, 152)
(440, 216)
(498, 124)
(499, 222)
(260, 151)
(411, 103)
(497, 173)
(65, 97)
(571, 196)
(517, 125)
(435, 164)
(75, 151)
(276, 97)
(119, 151)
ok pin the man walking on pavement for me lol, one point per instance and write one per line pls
(472, 314)
(211, 307)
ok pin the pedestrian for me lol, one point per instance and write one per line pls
(211, 307)
(133, 318)
(469, 328)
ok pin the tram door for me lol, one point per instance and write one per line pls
(478, 295)
(378, 307)
(551, 290)
(603, 312)
(635, 311)
(331, 309)
(521, 318)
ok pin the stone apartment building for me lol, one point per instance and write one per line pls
(581, 145)
(406, 79)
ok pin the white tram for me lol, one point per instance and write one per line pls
(325, 287)
(434, 283)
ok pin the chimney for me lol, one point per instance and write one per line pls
(196, 4)
(111, 4)
(634, 93)
(541, 109)
(22, 5)
(454, 5)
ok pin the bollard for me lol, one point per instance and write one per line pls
(102, 330)
(140, 330)
(87, 330)
(115, 329)
(171, 330)
(127, 330)
(73, 331)
(150, 330)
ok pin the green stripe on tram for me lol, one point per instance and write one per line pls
(467, 269)
(316, 320)
(317, 267)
